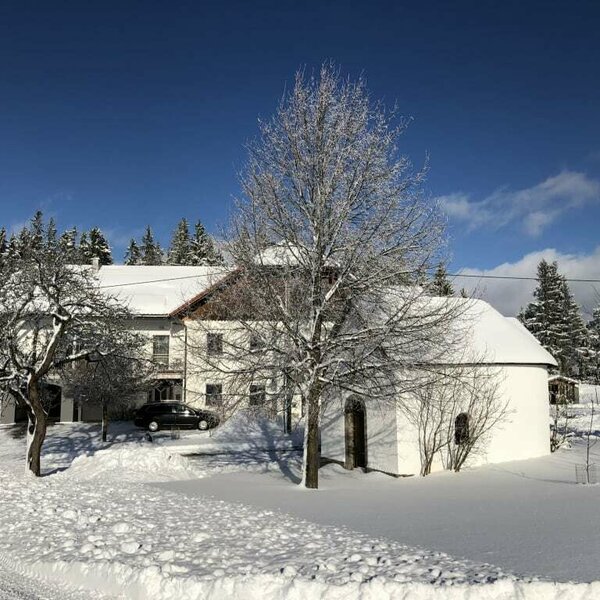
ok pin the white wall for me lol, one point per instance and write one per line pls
(526, 433)
(392, 440)
(381, 434)
(225, 369)
(7, 411)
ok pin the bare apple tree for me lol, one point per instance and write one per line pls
(51, 314)
(331, 234)
(112, 379)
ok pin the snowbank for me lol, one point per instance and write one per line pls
(151, 583)
(132, 462)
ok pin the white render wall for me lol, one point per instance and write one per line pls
(526, 433)
(392, 441)
(202, 370)
(381, 435)
(147, 326)
(7, 411)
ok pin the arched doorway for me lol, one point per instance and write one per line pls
(52, 399)
(355, 421)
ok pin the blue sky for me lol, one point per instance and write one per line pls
(119, 114)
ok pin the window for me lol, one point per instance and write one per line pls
(461, 429)
(160, 350)
(256, 342)
(214, 344)
(257, 395)
(214, 394)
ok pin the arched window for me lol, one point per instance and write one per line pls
(461, 429)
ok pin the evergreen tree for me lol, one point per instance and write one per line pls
(36, 233)
(440, 285)
(593, 328)
(150, 249)
(68, 245)
(554, 319)
(80, 257)
(203, 249)
(543, 316)
(24, 242)
(133, 256)
(94, 245)
(3, 243)
(180, 248)
(51, 235)
(12, 250)
(575, 351)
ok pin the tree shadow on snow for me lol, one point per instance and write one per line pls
(64, 443)
(262, 450)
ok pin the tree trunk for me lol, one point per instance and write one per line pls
(312, 457)
(36, 428)
(104, 421)
(287, 413)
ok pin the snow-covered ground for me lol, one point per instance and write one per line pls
(589, 393)
(137, 520)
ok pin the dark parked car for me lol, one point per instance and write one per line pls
(168, 415)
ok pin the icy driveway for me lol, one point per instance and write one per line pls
(526, 517)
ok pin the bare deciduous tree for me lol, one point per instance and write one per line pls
(453, 411)
(51, 314)
(111, 380)
(330, 237)
(559, 427)
(477, 408)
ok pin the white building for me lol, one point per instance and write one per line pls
(382, 437)
(356, 432)
(153, 294)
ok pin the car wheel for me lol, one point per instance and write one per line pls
(153, 426)
(203, 424)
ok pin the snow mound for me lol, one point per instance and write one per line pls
(134, 462)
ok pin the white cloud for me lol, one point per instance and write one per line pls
(534, 208)
(508, 296)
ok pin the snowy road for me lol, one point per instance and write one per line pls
(16, 586)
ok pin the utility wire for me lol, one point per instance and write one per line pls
(226, 272)
(132, 283)
(518, 278)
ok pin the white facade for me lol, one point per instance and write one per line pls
(178, 344)
(152, 294)
(519, 364)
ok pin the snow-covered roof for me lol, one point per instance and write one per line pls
(157, 290)
(282, 254)
(481, 334)
(563, 378)
(506, 339)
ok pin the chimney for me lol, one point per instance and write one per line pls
(95, 264)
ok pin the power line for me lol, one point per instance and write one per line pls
(226, 272)
(518, 278)
(132, 283)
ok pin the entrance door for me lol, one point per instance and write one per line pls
(356, 434)
(52, 401)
